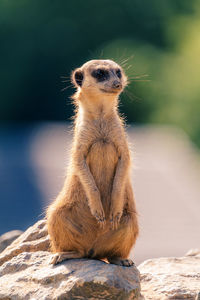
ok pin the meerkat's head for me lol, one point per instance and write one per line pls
(99, 79)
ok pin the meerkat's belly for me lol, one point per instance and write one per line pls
(102, 160)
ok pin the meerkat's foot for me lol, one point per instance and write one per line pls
(61, 256)
(121, 262)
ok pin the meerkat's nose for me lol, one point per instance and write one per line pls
(116, 84)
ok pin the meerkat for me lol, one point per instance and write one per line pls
(94, 215)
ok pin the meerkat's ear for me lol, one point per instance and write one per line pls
(77, 77)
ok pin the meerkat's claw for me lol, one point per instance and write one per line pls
(127, 262)
(100, 219)
(102, 223)
(54, 259)
(57, 258)
(121, 262)
(115, 220)
(61, 256)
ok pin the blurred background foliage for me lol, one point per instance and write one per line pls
(40, 41)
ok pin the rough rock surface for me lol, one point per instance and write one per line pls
(171, 278)
(25, 273)
(7, 238)
(35, 238)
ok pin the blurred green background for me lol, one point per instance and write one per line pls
(159, 42)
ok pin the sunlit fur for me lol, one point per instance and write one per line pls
(94, 215)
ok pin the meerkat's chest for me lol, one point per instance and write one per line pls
(102, 159)
(102, 147)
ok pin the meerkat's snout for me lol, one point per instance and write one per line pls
(116, 84)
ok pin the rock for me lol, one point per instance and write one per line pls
(25, 273)
(35, 238)
(171, 278)
(193, 252)
(7, 238)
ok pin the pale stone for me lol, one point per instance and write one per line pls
(7, 238)
(35, 238)
(193, 252)
(171, 278)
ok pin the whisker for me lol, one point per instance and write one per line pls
(65, 88)
(65, 77)
(131, 96)
(66, 81)
(130, 66)
(125, 61)
(139, 76)
(132, 79)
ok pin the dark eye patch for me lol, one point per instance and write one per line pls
(118, 73)
(100, 74)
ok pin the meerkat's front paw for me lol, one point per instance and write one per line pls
(115, 219)
(100, 216)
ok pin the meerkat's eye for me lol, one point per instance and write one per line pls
(100, 74)
(119, 73)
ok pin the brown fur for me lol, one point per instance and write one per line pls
(94, 215)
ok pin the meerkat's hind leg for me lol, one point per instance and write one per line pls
(61, 256)
(120, 261)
